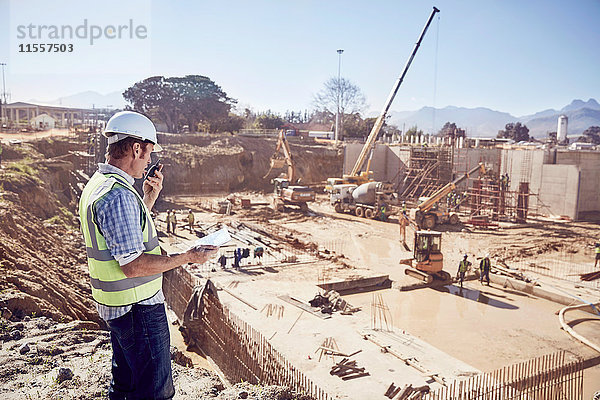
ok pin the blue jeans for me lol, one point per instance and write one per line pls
(485, 274)
(141, 361)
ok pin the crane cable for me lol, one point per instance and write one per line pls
(435, 67)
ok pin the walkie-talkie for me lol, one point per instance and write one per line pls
(152, 169)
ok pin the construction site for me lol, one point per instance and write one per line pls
(321, 301)
(421, 267)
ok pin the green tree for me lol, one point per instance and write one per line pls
(447, 130)
(515, 131)
(269, 120)
(155, 98)
(202, 100)
(190, 100)
(414, 131)
(231, 123)
(590, 135)
(356, 126)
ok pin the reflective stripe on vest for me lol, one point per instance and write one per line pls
(109, 284)
(463, 266)
(597, 249)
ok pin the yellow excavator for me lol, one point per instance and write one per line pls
(428, 261)
(284, 188)
(427, 214)
(356, 176)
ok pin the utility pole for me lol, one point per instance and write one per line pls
(337, 115)
(3, 97)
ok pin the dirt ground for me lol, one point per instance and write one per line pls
(477, 328)
(44, 288)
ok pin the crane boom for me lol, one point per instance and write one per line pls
(438, 195)
(381, 119)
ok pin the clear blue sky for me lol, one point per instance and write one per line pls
(511, 55)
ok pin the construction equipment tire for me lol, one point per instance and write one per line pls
(454, 219)
(278, 205)
(429, 222)
(445, 276)
(359, 212)
(338, 208)
(369, 213)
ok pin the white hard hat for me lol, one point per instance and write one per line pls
(487, 255)
(131, 124)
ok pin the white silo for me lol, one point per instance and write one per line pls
(561, 130)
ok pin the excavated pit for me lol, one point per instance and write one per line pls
(43, 270)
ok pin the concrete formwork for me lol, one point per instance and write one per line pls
(388, 162)
(559, 190)
(562, 182)
(589, 188)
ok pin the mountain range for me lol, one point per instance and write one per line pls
(483, 122)
(88, 99)
(478, 122)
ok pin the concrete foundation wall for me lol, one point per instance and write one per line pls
(589, 188)
(566, 182)
(559, 190)
(466, 159)
(524, 165)
(385, 164)
(589, 192)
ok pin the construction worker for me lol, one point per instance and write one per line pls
(484, 267)
(597, 255)
(403, 222)
(168, 221)
(190, 219)
(505, 181)
(404, 207)
(173, 221)
(126, 262)
(237, 257)
(223, 261)
(463, 266)
(382, 213)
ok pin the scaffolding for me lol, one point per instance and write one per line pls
(490, 201)
(429, 169)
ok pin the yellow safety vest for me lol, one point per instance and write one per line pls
(463, 266)
(597, 249)
(485, 264)
(109, 284)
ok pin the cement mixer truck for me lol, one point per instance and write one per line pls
(365, 201)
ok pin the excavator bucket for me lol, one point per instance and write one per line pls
(276, 163)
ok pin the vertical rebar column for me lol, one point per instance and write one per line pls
(522, 202)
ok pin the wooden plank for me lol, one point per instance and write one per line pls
(303, 306)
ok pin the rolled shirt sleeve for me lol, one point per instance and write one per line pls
(118, 215)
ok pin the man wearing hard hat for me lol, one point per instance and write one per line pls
(126, 262)
(484, 269)
(463, 266)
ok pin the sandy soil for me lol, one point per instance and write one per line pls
(44, 289)
(44, 359)
(485, 328)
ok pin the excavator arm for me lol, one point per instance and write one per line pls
(277, 162)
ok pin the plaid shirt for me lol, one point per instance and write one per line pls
(118, 217)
